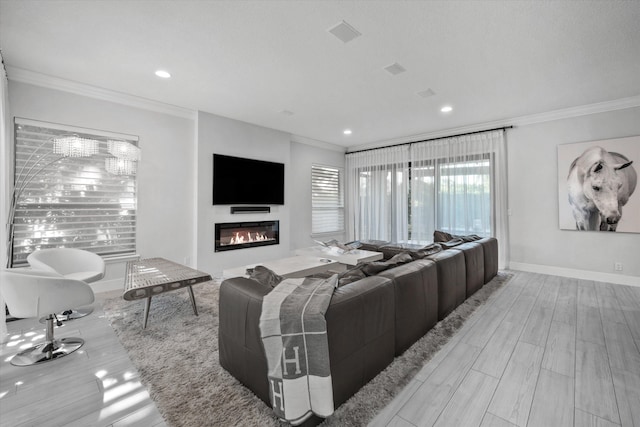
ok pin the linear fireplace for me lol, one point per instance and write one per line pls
(241, 235)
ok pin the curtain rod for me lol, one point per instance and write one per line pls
(431, 139)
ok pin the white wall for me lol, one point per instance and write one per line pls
(221, 135)
(302, 157)
(537, 243)
(175, 215)
(165, 183)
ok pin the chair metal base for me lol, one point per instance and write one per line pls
(47, 351)
(71, 314)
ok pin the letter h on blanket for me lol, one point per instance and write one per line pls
(294, 335)
(295, 360)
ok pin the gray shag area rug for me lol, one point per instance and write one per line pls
(177, 358)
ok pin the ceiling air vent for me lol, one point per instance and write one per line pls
(426, 93)
(344, 32)
(395, 69)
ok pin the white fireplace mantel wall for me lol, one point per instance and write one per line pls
(221, 135)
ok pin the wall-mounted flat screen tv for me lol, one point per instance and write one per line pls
(241, 181)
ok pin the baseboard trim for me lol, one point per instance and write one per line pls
(618, 279)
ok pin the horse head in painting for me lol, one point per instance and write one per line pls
(600, 184)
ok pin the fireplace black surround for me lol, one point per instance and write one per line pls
(241, 235)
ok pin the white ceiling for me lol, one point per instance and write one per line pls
(250, 60)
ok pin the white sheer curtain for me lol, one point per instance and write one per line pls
(6, 169)
(377, 189)
(458, 185)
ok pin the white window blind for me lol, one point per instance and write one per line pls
(327, 200)
(72, 202)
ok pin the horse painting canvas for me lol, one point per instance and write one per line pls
(595, 181)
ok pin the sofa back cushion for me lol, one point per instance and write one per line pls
(416, 299)
(361, 328)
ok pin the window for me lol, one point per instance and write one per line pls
(452, 195)
(327, 200)
(378, 188)
(70, 202)
(464, 196)
(456, 184)
(422, 201)
(383, 202)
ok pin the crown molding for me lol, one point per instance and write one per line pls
(39, 79)
(317, 143)
(560, 114)
(50, 82)
(582, 110)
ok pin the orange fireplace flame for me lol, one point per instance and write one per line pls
(247, 237)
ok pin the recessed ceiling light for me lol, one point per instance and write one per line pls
(347, 132)
(163, 74)
(447, 109)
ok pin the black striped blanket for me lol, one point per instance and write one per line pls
(294, 336)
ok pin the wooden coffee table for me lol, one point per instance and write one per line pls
(152, 276)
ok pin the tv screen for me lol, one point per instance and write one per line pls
(241, 181)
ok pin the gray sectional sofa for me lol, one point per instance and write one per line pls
(378, 312)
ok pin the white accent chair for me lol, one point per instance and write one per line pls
(70, 263)
(32, 293)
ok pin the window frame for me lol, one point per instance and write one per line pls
(53, 197)
(339, 207)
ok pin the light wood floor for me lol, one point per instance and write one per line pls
(95, 386)
(544, 351)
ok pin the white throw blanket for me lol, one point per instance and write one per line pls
(294, 336)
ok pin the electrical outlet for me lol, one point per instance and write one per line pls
(617, 266)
